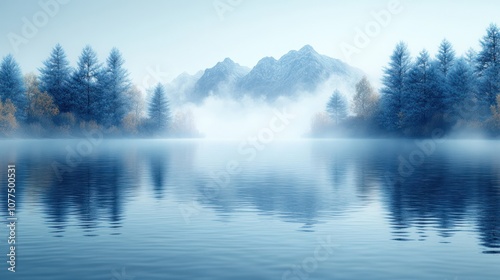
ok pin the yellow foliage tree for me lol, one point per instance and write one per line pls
(130, 123)
(8, 122)
(365, 101)
(183, 125)
(495, 111)
(41, 104)
(321, 124)
(135, 116)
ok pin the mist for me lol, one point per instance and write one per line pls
(222, 116)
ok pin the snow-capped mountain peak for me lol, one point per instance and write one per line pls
(296, 71)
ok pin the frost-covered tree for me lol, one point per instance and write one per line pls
(337, 107)
(55, 76)
(460, 93)
(135, 106)
(12, 86)
(395, 86)
(365, 100)
(159, 110)
(445, 60)
(488, 66)
(32, 85)
(471, 58)
(86, 87)
(115, 84)
(183, 125)
(424, 99)
(446, 57)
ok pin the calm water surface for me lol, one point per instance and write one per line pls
(339, 209)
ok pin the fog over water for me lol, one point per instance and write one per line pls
(226, 117)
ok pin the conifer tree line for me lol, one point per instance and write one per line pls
(424, 93)
(419, 94)
(62, 99)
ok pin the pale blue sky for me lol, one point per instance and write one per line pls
(172, 37)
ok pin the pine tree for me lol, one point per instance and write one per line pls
(12, 86)
(446, 57)
(337, 107)
(114, 88)
(425, 93)
(471, 58)
(488, 66)
(159, 110)
(395, 83)
(54, 78)
(86, 87)
(461, 91)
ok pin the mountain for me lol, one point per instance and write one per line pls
(218, 79)
(296, 71)
(301, 70)
(182, 87)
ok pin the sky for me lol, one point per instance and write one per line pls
(162, 39)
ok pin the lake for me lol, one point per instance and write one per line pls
(305, 209)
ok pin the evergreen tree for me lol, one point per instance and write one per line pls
(12, 86)
(488, 66)
(86, 87)
(395, 87)
(445, 62)
(461, 91)
(337, 107)
(471, 58)
(159, 110)
(54, 78)
(115, 86)
(425, 94)
(446, 57)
